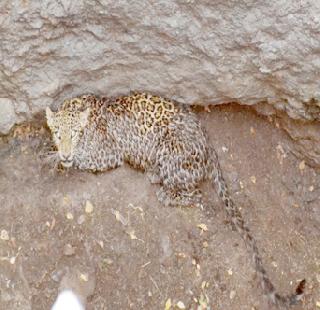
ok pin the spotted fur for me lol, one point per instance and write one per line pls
(162, 137)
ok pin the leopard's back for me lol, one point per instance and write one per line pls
(147, 112)
(142, 123)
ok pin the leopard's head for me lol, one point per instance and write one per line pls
(67, 127)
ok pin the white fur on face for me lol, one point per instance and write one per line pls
(67, 300)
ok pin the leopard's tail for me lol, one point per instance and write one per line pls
(239, 224)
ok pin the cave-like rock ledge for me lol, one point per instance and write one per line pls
(204, 51)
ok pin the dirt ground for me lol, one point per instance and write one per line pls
(110, 229)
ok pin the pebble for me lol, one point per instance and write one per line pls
(180, 305)
(241, 184)
(12, 260)
(66, 201)
(205, 244)
(57, 275)
(68, 250)
(89, 207)
(224, 149)
(4, 235)
(69, 216)
(232, 294)
(108, 261)
(84, 277)
(302, 165)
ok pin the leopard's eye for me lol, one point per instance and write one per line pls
(57, 135)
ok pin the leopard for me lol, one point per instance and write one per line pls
(165, 139)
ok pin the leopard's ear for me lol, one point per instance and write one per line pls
(49, 116)
(84, 117)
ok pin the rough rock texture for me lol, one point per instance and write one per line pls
(306, 137)
(195, 51)
(7, 114)
(205, 51)
(304, 133)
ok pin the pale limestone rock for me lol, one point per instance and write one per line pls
(204, 51)
(7, 115)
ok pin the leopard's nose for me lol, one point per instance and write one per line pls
(65, 157)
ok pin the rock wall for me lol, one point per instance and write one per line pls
(204, 51)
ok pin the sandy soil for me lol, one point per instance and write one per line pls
(133, 253)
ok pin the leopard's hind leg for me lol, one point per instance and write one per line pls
(180, 182)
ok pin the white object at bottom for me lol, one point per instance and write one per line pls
(67, 300)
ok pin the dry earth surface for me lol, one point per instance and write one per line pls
(110, 227)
